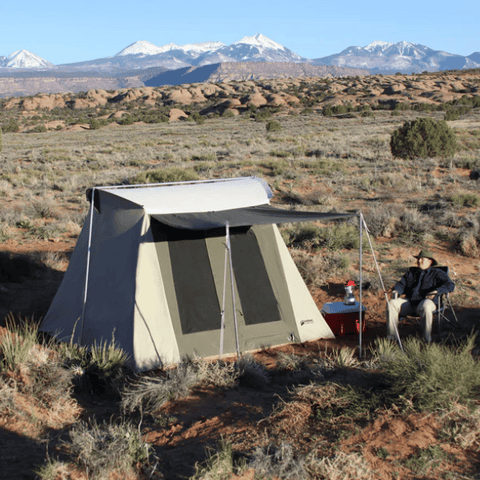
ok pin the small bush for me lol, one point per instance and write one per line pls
(150, 393)
(41, 128)
(451, 115)
(279, 462)
(465, 199)
(10, 127)
(100, 369)
(107, 447)
(432, 376)
(220, 464)
(273, 126)
(423, 138)
(252, 374)
(317, 269)
(333, 238)
(228, 114)
(16, 345)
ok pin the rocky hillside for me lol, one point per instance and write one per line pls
(425, 91)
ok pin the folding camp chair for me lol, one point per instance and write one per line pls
(443, 304)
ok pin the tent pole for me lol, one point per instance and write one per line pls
(88, 262)
(229, 246)
(222, 321)
(360, 312)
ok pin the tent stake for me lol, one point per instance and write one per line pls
(88, 262)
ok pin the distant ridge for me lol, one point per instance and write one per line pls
(226, 72)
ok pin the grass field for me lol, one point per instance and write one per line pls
(305, 411)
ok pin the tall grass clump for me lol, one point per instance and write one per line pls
(279, 462)
(220, 464)
(101, 369)
(431, 376)
(104, 448)
(16, 344)
(148, 394)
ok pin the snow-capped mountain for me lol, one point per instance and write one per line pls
(147, 48)
(251, 49)
(261, 41)
(402, 57)
(378, 56)
(24, 59)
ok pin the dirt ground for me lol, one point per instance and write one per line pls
(208, 415)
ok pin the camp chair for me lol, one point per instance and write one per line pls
(443, 303)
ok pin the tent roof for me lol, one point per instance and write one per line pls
(244, 217)
(192, 197)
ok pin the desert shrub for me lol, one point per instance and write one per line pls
(126, 120)
(465, 199)
(273, 126)
(423, 138)
(100, 369)
(317, 269)
(228, 114)
(10, 127)
(17, 343)
(431, 376)
(381, 220)
(45, 208)
(107, 447)
(150, 393)
(467, 242)
(1, 140)
(461, 424)
(413, 225)
(166, 175)
(335, 237)
(451, 114)
(279, 462)
(52, 469)
(342, 466)
(41, 128)
(220, 464)
(96, 123)
(251, 373)
(198, 119)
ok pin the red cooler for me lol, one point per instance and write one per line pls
(343, 318)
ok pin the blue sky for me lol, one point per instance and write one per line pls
(64, 32)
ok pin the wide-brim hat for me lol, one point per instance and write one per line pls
(426, 254)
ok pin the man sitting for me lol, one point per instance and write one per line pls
(422, 287)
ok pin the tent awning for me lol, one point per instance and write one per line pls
(239, 217)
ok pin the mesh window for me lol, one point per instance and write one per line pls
(193, 280)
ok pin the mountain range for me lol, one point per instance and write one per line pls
(377, 57)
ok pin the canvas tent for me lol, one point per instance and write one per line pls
(185, 268)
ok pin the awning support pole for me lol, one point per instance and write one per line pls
(92, 201)
(222, 321)
(360, 312)
(232, 282)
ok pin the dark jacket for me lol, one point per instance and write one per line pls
(433, 279)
